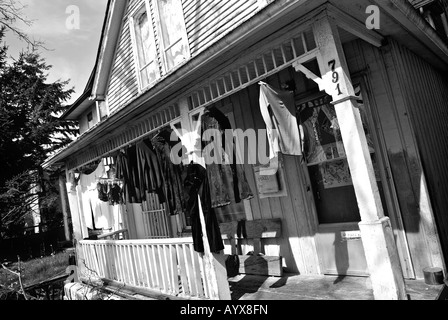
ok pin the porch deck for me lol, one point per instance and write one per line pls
(303, 287)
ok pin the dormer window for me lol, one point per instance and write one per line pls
(159, 38)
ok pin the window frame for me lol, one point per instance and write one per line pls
(144, 8)
(159, 31)
(151, 7)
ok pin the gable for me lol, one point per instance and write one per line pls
(206, 22)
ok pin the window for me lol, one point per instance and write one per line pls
(89, 120)
(148, 68)
(327, 160)
(173, 34)
(160, 39)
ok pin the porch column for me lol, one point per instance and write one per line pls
(215, 266)
(376, 231)
(63, 196)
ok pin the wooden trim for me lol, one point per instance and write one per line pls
(353, 26)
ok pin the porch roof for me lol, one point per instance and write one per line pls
(401, 22)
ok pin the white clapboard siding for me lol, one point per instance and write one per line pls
(206, 22)
(170, 266)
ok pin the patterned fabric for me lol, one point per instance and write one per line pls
(228, 183)
(171, 173)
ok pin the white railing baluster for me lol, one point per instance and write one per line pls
(174, 269)
(183, 274)
(102, 260)
(132, 265)
(120, 264)
(160, 269)
(145, 266)
(126, 268)
(138, 264)
(188, 268)
(167, 270)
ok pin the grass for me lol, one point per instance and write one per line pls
(35, 271)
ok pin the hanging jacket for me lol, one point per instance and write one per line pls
(227, 182)
(149, 170)
(171, 173)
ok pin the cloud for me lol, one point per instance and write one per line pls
(72, 51)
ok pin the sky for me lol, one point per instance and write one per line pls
(72, 47)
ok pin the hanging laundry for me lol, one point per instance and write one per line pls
(227, 179)
(196, 183)
(275, 106)
(115, 195)
(102, 192)
(127, 171)
(97, 213)
(171, 173)
(149, 170)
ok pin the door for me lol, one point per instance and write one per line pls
(338, 237)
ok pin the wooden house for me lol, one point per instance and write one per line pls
(370, 73)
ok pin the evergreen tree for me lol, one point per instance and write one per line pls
(30, 130)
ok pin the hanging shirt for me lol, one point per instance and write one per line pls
(97, 213)
(274, 106)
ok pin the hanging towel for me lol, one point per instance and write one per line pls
(274, 106)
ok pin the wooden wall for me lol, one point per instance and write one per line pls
(123, 86)
(297, 244)
(404, 139)
(209, 20)
(426, 97)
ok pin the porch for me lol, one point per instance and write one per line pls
(320, 287)
(170, 269)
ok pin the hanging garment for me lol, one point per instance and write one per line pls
(102, 191)
(195, 183)
(149, 170)
(171, 173)
(275, 106)
(115, 195)
(227, 181)
(127, 171)
(97, 214)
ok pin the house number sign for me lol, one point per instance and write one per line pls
(351, 235)
(335, 76)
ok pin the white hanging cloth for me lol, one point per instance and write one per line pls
(282, 127)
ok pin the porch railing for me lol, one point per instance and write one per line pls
(170, 266)
(116, 235)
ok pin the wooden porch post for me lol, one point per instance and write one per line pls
(215, 268)
(63, 196)
(78, 223)
(376, 231)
